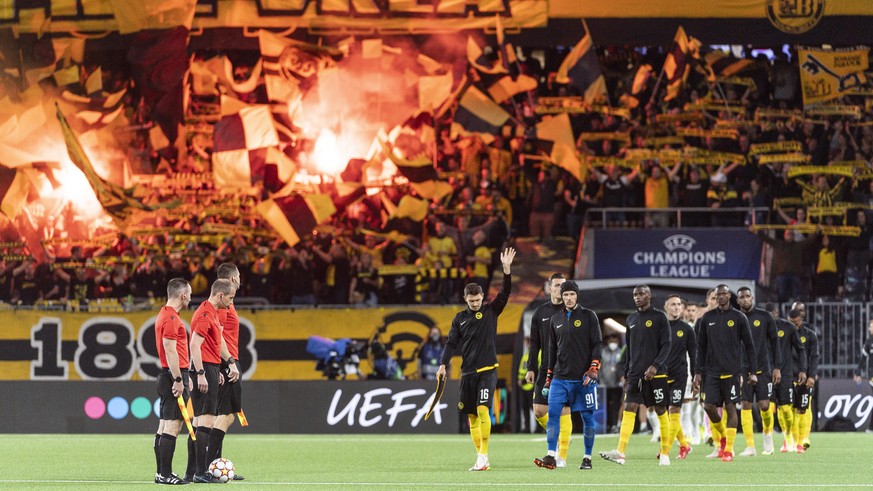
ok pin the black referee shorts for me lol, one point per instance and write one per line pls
(169, 407)
(206, 403)
(229, 394)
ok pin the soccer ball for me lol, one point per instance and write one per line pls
(221, 470)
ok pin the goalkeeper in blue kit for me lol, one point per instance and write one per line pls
(575, 344)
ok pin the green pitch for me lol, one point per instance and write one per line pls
(413, 462)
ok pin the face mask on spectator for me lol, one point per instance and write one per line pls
(612, 346)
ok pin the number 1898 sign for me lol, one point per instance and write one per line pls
(110, 348)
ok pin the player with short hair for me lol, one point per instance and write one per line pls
(803, 390)
(683, 353)
(475, 330)
(208, 350)
(793, 371)
(229, 393)
(723, 338)
(171, 339)
(648, 344)
(575, 344)
(537, 365)
(766, 341)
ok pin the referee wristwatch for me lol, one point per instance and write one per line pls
(177, 379)
(230, 360)
(202, 371)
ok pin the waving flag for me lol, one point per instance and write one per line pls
(678, 63)
(581, 70)
(291, 67)
(295, 216)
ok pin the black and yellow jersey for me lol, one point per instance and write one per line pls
(809, 340)
(476, 332)
(539, 335)
(683, 349)
(648, 342)
(723, 340)
(793, 358)
(765, 338)
(575, 341)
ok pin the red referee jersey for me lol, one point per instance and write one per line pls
(230, 321)
(169, 326)
(205, 323)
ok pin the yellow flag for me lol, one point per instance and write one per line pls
(827, 74)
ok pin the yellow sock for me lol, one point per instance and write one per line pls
(564, 435)
(807, 429)
(796, 427)
(484, 428)
(718, 429)
(730, 435)
(748, 427)
(767, 420)
(627, 427)
(676, 430)
(786, 421)
(543, 420)
(666, 435)
(475, 431)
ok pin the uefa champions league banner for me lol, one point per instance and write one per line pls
(718, 253)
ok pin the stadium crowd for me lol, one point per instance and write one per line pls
(501, 189)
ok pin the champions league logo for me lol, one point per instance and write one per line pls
(680, 260)
(679, 241)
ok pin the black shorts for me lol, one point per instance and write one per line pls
(477, 389)
(229, 394)
(761, 391)
(676, 389)
(539, 383)
(802, 396)
(206, 403)
(169, 407)
(784, 392)
(649, 392)
(720, 391)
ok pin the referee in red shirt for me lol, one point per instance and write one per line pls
(208, 350)
(171, 339)
(230, 393)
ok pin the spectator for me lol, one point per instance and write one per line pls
(543, 199)
(827, 278)
(429, 354)
(302, 284)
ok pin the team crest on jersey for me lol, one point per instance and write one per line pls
(648, 323)
(577, 323)
(679, 333)
(460, 406)
(757, 323)
(780, 333)
(730, 323)
(802, 339)
(478, 315)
